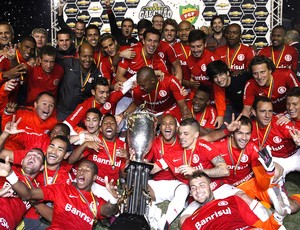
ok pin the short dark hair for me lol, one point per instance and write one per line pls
(44, 93)
(96, 111)
(262, 99)
(100, 81)
(204, 88)
(106, 36)
(108, 115)
(293, 92)
(127, 20)
(64, 31)
(80, 21)
(245, 121)
(93, 164)
(48, 50)
(280, 27)
(260, 59)
(64, 127)
(216, 67)
(28, 38)
(191, 122)
(152, 30)
(91, 26)
(216, 17)
(64, 139)
(199, 173)
(196, 35)
(144, 24)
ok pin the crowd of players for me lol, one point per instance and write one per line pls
(227, 114)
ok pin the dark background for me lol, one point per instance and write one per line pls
(24, 15)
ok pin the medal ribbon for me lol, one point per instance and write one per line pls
(155, 97)
(266, 134)
(184, 51)
(229, 146)
(184, 157)
(201, 117)
(145, 59)
(84, 200)
(230, 61)
(279, 58)
(18, 60)
(46, 174)
(83, 83)
(27, 180)
(112, 159)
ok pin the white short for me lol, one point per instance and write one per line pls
(165, 189)
(289, 164)
(101, 191)
(222, 192)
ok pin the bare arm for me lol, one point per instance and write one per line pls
(220, 169)
(120, 76)
(177, 70)
(247, 110)
(77, 154)
(45, 211)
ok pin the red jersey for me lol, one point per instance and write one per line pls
(159, 150)
(276, 136)
(207, 118)
(14, 208)
(236, 58)
(70, 208)
(197, 67)
(33, 140)
(107, 69)
(183, 52)
(287, 57)
(229, 213)
(80, 112)
(30, 122)
(199, 158)
(283, 80)
(108, 163)
(133, 65)
(167, 53)
(39, 81)
(240, 162)
(165, 95)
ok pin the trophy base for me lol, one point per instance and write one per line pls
(143, 164)
(131, 222)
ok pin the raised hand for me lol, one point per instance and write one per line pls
(10, 85)
(15, 71)
(12, 126)
(11, 107)
(113, 189)
(295, 134)
(235, 123)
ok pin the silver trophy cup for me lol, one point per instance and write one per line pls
(140, 133)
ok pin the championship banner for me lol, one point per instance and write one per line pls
(253, 15)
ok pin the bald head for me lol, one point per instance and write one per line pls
(146, 79)
(292, 36)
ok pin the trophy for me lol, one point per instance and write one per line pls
(140, 135)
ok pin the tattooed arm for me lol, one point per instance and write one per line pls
(220, 169)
